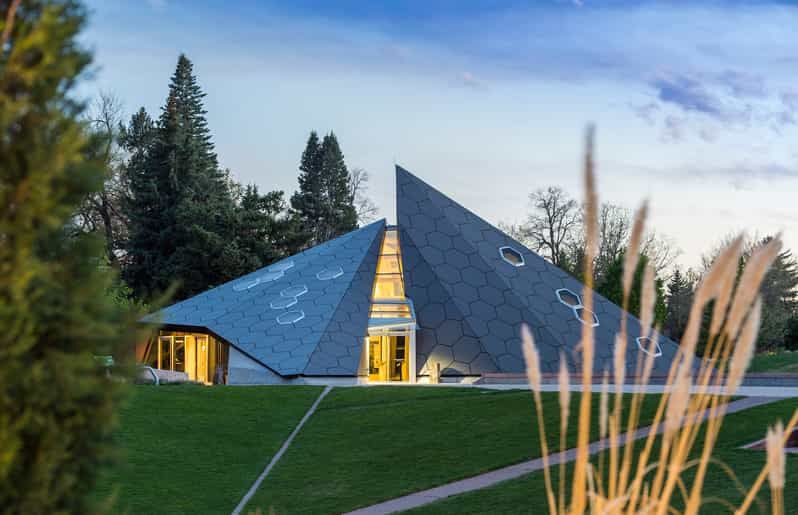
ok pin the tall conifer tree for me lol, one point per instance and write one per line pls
(324, 204)
(341, 215)
(307, 202)
(181, 210)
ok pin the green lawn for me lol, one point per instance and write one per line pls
(193, 449)
(365, 445)
(527, 494)
(784, 361)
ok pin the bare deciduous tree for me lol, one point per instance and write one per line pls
(364, 206)
(554, 220)
(101, 211)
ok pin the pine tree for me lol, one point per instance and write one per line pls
(341, 215)
(307, 202)
(181, 210)
(779, 299)
(611, 287)
(324, 205)
(56, 403)
(263, 232)
(679, 299)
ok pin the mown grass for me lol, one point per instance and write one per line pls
(526, 495)
(366, 445)
(194, 450)
(782, 361)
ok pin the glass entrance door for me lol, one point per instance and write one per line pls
(388, 358)
(202, 359)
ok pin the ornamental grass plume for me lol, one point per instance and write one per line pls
(774, 443)
(651, 477)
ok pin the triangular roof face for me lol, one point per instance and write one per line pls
(464, 290)
(306, 314)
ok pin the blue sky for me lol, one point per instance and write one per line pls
(696, 103)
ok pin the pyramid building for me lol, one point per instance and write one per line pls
(442, 290)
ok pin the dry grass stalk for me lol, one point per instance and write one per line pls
(774, 443)
(638, 481)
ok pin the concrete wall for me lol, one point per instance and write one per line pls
(241, 369)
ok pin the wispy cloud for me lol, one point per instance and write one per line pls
(687, 93)
(468, 80)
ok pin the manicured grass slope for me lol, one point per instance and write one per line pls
(191, 449)
(784, 362)
(365, 445)
(527, 494)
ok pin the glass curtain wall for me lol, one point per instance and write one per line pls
(202, 357)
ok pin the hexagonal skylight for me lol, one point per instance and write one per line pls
(294, 291)
(511, 256)
(282, 266)
(283, 302)
(578, 313)
(290, 317)
(246, 284)
(644, 344)
(330, 273)
(569, 298)
(271, 276)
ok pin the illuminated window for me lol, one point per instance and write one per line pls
(200, 356)
(290, 317)
(512, 256)
(568, 298)
(389, 310)
(388, 283)
(644, 344)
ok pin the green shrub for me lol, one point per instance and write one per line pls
(56, 403)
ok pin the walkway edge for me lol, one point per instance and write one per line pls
(276, 457)
(493, 477)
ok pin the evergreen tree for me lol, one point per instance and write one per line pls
(307, 202)
(181, 212)
(340, 211)
(56, 403)
(324, 205)
(611, 287)
(779, 299)
(263, 233)
(679, 300)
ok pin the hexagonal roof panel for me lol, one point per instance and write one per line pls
(303, 314)
(516, 286)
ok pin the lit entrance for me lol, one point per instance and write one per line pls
(201, 357)
(388, 358)
(391, 340)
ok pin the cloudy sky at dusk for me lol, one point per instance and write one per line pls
(696, 106)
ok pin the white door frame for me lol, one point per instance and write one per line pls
(406, 330)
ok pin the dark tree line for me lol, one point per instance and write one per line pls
(171, 217)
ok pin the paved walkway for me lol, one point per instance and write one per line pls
(276, 458)
(776, 392)
(513, 471)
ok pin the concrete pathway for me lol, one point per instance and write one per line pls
(513, 471)
(776, 392)
(276, 458)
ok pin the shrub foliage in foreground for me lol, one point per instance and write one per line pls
(56, 404)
